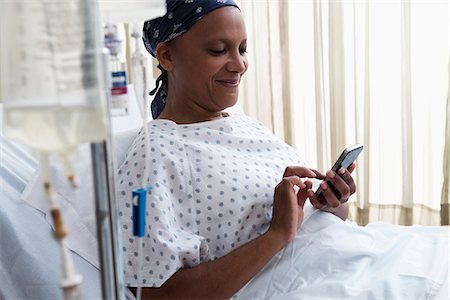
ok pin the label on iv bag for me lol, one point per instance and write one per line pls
(119, 93)
(119, 83)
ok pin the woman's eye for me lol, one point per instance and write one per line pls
(217, 52)
(243, 51)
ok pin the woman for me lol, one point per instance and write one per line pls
(223, 202)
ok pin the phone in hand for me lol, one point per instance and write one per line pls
(347, 157)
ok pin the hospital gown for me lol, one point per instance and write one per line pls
(213, 185)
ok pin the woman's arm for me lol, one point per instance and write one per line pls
(341, 211)
(223, 277)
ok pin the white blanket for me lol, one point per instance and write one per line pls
(30, 257)
(328, 259)
(334, 259)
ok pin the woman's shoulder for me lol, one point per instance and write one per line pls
(252, 125)
(160, 138)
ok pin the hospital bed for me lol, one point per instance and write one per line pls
(29, 254)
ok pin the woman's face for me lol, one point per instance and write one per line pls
(208, 61)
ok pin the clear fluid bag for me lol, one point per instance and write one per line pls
(52, 74)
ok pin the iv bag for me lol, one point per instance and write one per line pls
(52, 74)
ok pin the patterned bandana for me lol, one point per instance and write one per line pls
(181, 15)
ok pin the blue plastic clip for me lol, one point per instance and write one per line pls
(139, 197)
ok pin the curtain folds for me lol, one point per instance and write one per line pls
(445, 194)
(327, 74)
(321, 103)
(264, 86)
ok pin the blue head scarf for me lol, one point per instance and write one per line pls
(181, 15)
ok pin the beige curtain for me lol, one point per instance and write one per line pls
(445, 203)
(263, 94)
(327, 74)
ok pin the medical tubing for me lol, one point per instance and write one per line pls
(139, 273)
(145, 177)
(58, 223)
(139, 213)
(45, 177)
(139, 73)
(144, 181)
(139, 195)
(147, 147)
(144, 186)
(68, 170)
(70, 280)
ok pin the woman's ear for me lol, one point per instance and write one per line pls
(164, 56)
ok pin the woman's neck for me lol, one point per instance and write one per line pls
(187, 116)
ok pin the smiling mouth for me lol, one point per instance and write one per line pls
(229, 83)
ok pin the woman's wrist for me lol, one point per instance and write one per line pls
(276, 239)
(341, 211)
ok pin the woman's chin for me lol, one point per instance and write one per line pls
(229, 101)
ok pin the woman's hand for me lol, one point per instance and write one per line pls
(336, 190)
(289, 198)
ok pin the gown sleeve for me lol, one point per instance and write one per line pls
(171, 240)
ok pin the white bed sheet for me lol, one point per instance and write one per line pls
(30, 257)
(331, 259)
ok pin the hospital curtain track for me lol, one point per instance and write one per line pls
(326, 74)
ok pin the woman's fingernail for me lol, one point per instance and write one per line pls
(330, 174)
(324, 186)
(341, 171)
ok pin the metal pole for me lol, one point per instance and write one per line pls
(110, 253)
(108, 234)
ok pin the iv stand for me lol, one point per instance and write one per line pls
(107, 223)
(108, 233)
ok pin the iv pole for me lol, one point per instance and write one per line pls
(108, 232)
(110, 253)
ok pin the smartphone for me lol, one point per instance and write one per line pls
(347, 157)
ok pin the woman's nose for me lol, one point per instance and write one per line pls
(237, 63)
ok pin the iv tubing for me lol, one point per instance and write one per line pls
(48, 188)
(70, 279)
(144, 184)
(139, 273)
(68, 170)
(139, 64)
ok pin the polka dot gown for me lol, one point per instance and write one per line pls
(213, 185)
